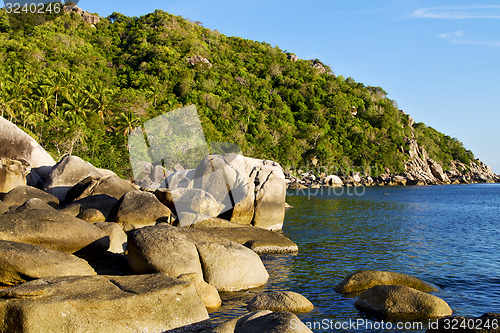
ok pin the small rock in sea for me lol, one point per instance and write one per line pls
(363, 280)
(263, 321)
(280, 301)
(402, 301)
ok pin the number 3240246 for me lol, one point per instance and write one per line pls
(33, 8)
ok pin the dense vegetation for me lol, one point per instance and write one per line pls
(82, 89)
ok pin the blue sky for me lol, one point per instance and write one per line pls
(439, 60)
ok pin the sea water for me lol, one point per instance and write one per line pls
(445, 235)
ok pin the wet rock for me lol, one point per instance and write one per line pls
(280, 301)
(137, 209)
(21, 262)
(226, 265)
(19, 195)
(402, 301)
(138, 303)
(366, 279)
(263, 322)
(52, 229)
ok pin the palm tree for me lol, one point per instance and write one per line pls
(76, 106)
(127, 121)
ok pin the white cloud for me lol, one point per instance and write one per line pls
(459, 12)
(457, 38)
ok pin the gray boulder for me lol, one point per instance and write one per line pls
(403, 301)
(112, 186)
(333, 181)
(363, 280)
(190, 200)
(67, 173)
(20, 263)
(437, 171)
(52, 229)
(12, 174)
(21, 194)
(138, 303)
(263, 322)
(226, 265)
(17, 145)
(137, 209)
(280, 301)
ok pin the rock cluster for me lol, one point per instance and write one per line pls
(88, 251)
(197, 59)
(87, 17)
(391, 294)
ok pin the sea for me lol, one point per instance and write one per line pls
(446, 235)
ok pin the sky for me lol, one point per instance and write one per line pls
(439, 60)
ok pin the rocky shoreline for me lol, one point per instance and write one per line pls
(84, 250)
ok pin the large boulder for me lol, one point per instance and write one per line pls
(137, 209)
(19, 195)
(117, 237)
(138, 303)
(67, 173)
(112, 186)
(17, 145)
(263, 322)
(394, 301)
(261, 241)
(280, 301)
(190, 200)
(12, 174)
(21, 262)
(226, 265)
(101, 202)
(52, 229)
(333, 180)
(363, 280)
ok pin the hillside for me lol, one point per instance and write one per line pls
(79, 88)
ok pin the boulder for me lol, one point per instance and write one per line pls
(17, 145)
(263, 322)
(363, 280)
(269, 201)
(437, 171)
(189, 200)
(208, 294)
(403, 301)
(280, 301)
(487, 323)
(21, 262)
(12, 174)
(137, 209)
(181, 179)
(34, 203)
(92, 215)
(226, 265)
(261, 241)
(112, 186)
(101, 202)
(137, 303)
(21, 194)
(333, 181)
(52, 229)
(117, 237)
(67, 173)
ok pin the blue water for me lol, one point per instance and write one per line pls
(446, 235)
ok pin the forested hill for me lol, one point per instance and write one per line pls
(79, 88)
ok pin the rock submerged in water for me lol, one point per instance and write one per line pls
(363, 280)
(263, 321)
(394, 301)
(137, 303)
(280, 301)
